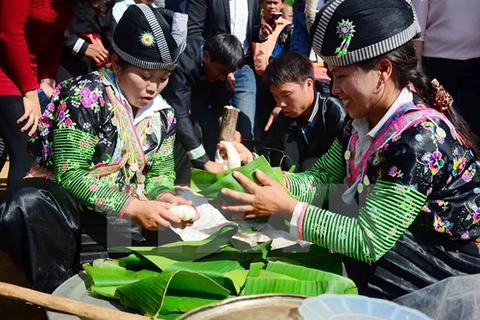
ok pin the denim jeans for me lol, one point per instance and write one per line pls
(245, 100)
(300, 38)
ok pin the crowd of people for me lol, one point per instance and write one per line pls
(107, 105)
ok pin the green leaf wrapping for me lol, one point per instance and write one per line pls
(210, 184)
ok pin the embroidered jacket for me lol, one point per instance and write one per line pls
(87, 143)
(417, 173)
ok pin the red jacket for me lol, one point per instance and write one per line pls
(31, 42)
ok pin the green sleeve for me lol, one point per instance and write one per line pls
(413, 165)
(389, 210)
(71, 150)
(311, 184)
(161, 176)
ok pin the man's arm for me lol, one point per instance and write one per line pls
(178, 94)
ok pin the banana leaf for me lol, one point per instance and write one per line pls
(222, 272)
(315, 257)
(108, 273)
(210, 184)
(168, 254)
(306, 281)
(149, 294)
(135, 261)
(245, 256)
(262, 285)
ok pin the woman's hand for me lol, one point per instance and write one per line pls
(261, 201)
(31, 105)
(152, 215)
(175, 200)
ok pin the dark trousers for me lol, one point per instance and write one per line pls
(461, 79)
(11, 109)
(48, 236)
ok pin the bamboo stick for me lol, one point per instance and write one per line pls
(229, 124)
(65, 305)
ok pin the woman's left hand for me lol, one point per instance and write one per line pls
(261, 201)
(179, 201)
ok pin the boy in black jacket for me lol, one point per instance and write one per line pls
(309, 122)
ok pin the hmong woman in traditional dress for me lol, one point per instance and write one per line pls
(405, 158)
(104, 152)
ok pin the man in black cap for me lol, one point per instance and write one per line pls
(188, 92)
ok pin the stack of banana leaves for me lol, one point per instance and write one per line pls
(167, 281)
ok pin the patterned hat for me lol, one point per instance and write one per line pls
(350, 31)
(150, 38)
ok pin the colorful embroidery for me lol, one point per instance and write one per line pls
(90, 157)
(345, 30)
(147, 39)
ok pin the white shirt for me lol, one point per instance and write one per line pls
(239, 22)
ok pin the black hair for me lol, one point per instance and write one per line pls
(406, 71)
(226, 49)
(122, 63)
(288, 67)
(101, 7)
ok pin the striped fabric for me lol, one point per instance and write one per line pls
(196, 153)
(328, 170)
(141, 63)
(71, 172)
(389, 210)
(161, 176)
(365, 53)
(157, 32)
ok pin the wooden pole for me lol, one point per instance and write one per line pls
(229, 124)
(65, 305)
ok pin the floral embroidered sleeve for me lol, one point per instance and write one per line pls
(78, 115)
(161, 176)
(414, 164)
(328, 170)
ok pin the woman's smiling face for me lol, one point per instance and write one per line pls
(355, 87)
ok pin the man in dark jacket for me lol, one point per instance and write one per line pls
(242, 19)
(176, 5)
(188, 92)
(309, 122)
(86, 41)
